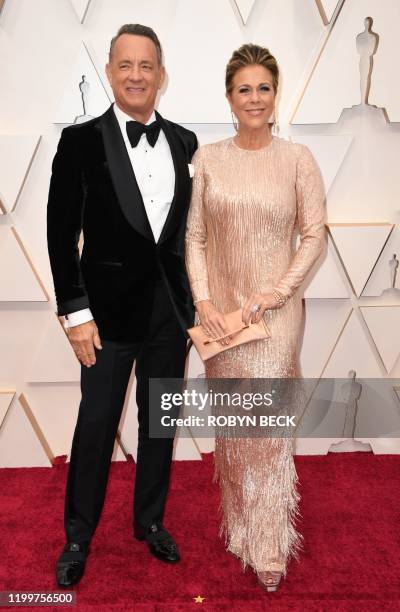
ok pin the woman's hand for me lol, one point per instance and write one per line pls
(212, 320)
(264, 301)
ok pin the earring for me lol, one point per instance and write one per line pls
(275, 123)
(234, 121)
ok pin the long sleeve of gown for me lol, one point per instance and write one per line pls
(310, 195)
(196, 235)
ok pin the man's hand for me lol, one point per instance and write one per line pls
(84, 338)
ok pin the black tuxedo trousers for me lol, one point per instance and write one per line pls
(160, 355)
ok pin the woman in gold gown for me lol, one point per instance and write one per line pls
(250, 195)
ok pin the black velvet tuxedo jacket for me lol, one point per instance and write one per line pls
(93, 187)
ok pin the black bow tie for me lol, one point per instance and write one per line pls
(134, 129)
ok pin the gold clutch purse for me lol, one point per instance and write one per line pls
(239, 332)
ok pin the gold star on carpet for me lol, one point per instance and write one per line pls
(199, 599)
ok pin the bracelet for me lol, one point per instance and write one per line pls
(279, 297)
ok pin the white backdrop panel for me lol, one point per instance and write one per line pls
(335, 82)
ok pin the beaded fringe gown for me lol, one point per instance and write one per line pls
(247, 207)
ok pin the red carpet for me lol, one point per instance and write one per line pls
(350, 522)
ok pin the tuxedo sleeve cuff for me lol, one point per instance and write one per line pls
(73, 305)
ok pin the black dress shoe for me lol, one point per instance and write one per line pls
(71, 564)
(159, 541)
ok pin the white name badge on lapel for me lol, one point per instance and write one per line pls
(191, 170)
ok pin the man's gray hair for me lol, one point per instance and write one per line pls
(138, 30)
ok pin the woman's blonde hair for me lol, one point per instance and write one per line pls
(250, 55)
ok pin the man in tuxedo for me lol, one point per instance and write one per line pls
(124, 180)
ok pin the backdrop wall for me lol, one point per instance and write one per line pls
(329, 57)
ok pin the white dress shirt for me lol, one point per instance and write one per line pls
(155, 176)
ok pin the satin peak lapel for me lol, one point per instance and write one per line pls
(123, 176)
(182, 180)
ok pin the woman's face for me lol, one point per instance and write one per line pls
(252, 98)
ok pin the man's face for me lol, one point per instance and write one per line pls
(135, 75)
